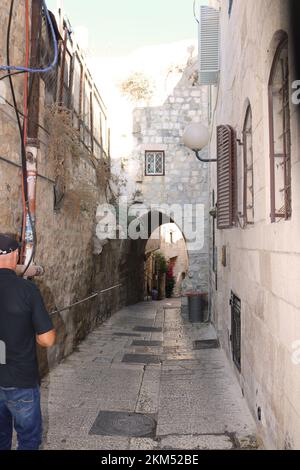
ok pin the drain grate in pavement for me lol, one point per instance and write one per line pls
(142, 342)
(141, 359)
(206, 344)
(115, 423)
(134, 335)
(147, 329)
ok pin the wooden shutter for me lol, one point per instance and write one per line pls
(226, 177)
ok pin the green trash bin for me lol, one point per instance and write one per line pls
(197, 306)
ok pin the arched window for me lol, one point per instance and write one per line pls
(280, 135)
(248, 197)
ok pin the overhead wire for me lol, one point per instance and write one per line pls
(9, 67)
(26, 208)
(194, 11)
(23, 130)
(22, 114)
(11, 74)
(25, 120)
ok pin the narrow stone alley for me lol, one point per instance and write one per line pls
(141, 382)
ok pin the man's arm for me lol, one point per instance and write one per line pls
(47, 339)
(44, 331)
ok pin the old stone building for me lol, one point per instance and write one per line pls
(68, 134)
(255, 256)
(167, 173)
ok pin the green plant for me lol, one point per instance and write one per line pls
(161, 263)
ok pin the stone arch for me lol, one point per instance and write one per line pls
(177, 252)
(197, 278)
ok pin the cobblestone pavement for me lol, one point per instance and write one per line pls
(178, 398)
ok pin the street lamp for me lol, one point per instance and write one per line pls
(196, 138)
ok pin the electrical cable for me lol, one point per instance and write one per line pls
(17, 165)
(22, 114)
(9, 67)
(194, 11)
(26, 207)
(25, 107)
(11, 75)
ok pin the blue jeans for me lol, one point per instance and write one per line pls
(20, 408)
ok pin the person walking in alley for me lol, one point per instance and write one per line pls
(24, 321)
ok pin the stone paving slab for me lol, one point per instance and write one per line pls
(194, 395)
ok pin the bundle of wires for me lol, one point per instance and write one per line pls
(23, 128)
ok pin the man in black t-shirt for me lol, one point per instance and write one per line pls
(24, 321)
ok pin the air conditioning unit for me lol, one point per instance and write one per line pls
(209, 45)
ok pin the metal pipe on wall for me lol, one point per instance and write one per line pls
(31, 168)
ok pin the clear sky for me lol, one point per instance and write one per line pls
(117, 27)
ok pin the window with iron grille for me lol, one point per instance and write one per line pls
(97, 128)
(280, 135)
(248, 197)
(236, 329)
(87, 113)
(77, 91)
(68, 79)
(226, 177)
(45, 56)
(155, 163)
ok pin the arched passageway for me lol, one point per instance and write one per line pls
(166, 262)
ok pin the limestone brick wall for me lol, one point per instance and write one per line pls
(65, 245)
(263, 260)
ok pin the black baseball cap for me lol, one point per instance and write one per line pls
(8, 244)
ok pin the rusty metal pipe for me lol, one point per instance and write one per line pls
(31, 161)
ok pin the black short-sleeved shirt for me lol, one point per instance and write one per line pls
(22, 316)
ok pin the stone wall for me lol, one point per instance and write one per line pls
(186, 179)
(263, 260)
(65, 245)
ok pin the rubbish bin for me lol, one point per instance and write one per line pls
(197, 306)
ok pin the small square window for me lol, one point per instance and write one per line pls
(155, 163)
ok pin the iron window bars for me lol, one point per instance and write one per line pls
(235, 303)
(70, 85)
(154, 163)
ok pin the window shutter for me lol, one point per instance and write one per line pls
(226, 176)
(209, 45)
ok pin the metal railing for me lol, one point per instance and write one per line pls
(92, 296)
